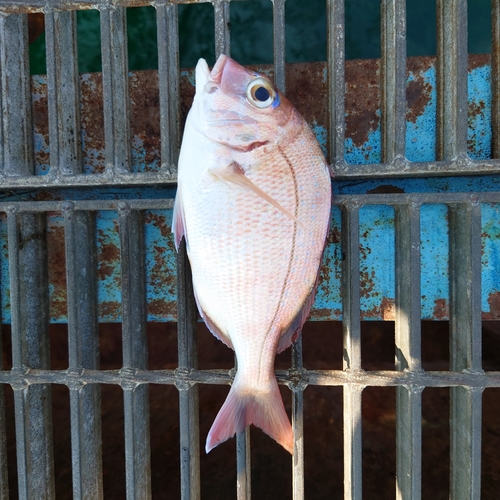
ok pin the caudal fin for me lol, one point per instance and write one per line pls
(244, 407)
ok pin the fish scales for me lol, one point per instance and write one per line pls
(253, 202)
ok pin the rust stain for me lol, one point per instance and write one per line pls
(162, 309)
(494, 303)
(362, 99)
(386, 189)
(320, 313)
(388, 309)
(36, 26)
(160, 221)
(57, 271)
(440, 309)
(334, 235)
(418, 96)
(110, 309)
(478, 61)
(108, 257)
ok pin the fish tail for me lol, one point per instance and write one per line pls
(244, 407)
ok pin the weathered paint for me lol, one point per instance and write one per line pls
(306, 86)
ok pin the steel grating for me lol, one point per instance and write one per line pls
(26, 224)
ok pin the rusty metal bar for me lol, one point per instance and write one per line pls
(63, 92)
(188, 393)
(17, 126)
(495, 78)
(393, 76)
(336, 80)
(4, 471)
(30, 350)
(115, 88)
(452, 80)
(243, 465)
(222, 28)
(352, 351)
(408, 352)
(135, 354)
(83, 346)
(465, 348)
(279, 43)
(168, 84)
(297, 423)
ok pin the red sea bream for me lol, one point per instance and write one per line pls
(253, 203)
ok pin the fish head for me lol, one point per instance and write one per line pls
(240, 108)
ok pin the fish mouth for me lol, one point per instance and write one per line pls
(207, 80)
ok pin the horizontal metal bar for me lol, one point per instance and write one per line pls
(393, 199)
(400, 168)
(379, 378)
(17, 6)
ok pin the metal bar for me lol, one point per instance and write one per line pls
(336, 80)
(243, 465)
(83, 347)
(408, 352)
(4, 471)
(352, 351)
(495, 77)
(188, 393)
(168, 84)
(17, 133)
(326, 378)
(222, 28)
(465, 348)
(115, 88)
(135, 354)
(279, 43)
(30, 349)
(297, 423)
(393, 84)
(63, 92)
(452, 79)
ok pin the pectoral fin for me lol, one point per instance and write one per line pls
(234, 174)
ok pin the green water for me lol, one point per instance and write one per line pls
(252, 37)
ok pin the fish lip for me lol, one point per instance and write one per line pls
(217, 70)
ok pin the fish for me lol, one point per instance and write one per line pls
(253, 204)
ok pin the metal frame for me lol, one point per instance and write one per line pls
(31, 377)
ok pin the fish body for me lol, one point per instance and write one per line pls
(253, 203)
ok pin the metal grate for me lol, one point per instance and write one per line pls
(31, 377)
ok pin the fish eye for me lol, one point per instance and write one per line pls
(260, 93)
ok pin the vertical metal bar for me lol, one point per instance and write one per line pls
(30, 349)
(298, 425)
(188, 394)
(393, 72)
(452, 73)
(115, 88)
(465, 348)
(17, 140)
(336, 79)
(351, 351)
(279, 43)
(408, 352)
(222, 28)
(243, 465)
(135, 354)
(63, 92)
(168, 80)
(495, 77)
(4, 476)
(83, 347)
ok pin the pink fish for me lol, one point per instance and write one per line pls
(253, 203)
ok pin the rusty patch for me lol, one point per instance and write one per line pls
(387, 309)
(162, 309)
(57, 271)
(478, 61)
(362, 99)
(334, 235)
(494, 303)
(109, 255)
(110, 310)
(440, 309)
(36, 26)
(160, 221)
(386, 189)
(418, 96)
